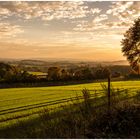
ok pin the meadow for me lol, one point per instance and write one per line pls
(25, 103)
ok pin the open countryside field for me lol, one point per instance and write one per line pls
(37, 73)
(24, 103)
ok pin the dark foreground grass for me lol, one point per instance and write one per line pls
(82, 120)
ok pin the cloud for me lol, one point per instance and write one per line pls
(100, 18)
(46, 10)
(102, 28)
(8, 30)
(4, 11)
(125, 11)
(97, 23)
(95, 11)
(79, 28)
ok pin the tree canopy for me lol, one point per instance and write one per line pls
(131, 45)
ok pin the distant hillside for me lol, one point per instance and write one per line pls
(120, 62)
(32, 62)
(63, 63)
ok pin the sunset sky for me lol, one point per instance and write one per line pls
(70, 30)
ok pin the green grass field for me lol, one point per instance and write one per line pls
(23, 103)
(37, 73)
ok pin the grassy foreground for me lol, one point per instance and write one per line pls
(82, 120)
(26, 103)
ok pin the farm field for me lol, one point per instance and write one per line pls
(37, 73)
(23, 103)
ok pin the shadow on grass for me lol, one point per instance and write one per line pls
(82, 120)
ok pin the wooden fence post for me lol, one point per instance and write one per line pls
(109, 102)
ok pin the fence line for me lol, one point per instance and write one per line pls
(59, 102)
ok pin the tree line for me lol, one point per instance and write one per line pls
(14, 74)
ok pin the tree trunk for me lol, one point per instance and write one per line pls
(138, 69)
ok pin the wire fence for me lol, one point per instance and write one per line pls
(95, 96)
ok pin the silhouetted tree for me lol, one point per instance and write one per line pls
(131, 45)
(64, 75)
(9, 73)
(83, 73)
(102, 73)
(54, 73)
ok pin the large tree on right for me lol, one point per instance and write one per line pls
(131, 45)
